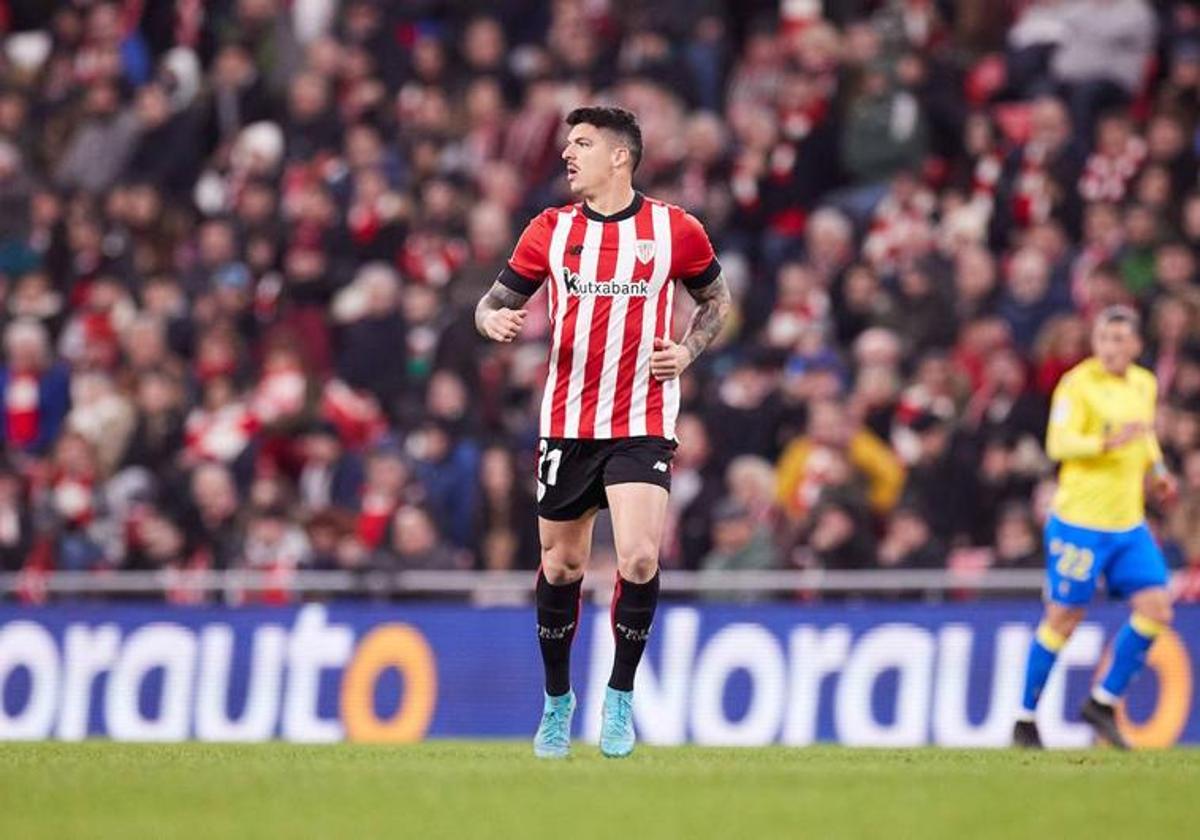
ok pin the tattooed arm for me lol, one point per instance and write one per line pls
(713, 301)
(499, 315)
(713, 305)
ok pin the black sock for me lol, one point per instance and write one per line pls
(557, 619)
(632, 615)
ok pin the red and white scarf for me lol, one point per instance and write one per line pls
(22, 398)
(1107, 177)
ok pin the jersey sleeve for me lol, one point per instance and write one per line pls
(1066, 437)
(692, 257)
(530, 263)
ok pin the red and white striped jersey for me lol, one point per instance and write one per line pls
(612, 285)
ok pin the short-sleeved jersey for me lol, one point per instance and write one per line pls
(1098, 489)
(612, 282)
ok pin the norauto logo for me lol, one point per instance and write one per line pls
(310, 679)
(576, 286)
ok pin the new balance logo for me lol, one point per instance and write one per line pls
(661, 466)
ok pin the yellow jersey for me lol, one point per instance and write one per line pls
(1098, 489)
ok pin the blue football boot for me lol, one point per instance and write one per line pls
(616, 723)
(553, 738)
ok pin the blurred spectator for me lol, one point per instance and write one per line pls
(924, 317)
(273, 542)
(739, 543)
(72, 503)
(16, 525)
(328, 531)
(387, 486)
(1103, 52)
(751, 483)
(909, 543)
(1040, 178)
(1062, 344)
(103, 416)
(35, 389)
(1005, 475)
(744, 413)
(1004, 402)
(416, 545)
(154, 541)
(446, 457)
(861, 303)
(840, 537)
(1018, 540)
(505, 531)
(101, 144)
(696, 487)
(212, 525)
(329, 475)
(239, 253)
(940, 481)
(372, 348)
(1173, 326)
(1028, 301)
(835, 453)
(157, 436)
(885, 131)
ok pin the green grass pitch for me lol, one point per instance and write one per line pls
(497, 789)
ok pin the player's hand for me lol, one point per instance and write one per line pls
(669, 359)
(1165, 487)
(1128, 432)
(503, 324)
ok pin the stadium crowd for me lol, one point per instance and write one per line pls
(241, 242)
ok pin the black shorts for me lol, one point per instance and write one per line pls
(572, 474)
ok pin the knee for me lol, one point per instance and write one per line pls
(1063, 621)
(1154, 606)
(637, 563)
(562, 564)
(1161, 613)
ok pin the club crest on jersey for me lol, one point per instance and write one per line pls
(644, 248)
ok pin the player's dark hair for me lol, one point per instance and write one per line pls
(617, 120)
(1121, 314)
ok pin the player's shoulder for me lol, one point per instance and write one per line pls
(1143, 377)
(683, 224)
(551, 214)
(1142, 373)
(675, 211)
(651, 201)
(542, 225)
(1080, 375)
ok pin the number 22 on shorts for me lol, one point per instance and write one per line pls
(1073, 562)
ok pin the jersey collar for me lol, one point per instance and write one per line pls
(628, 213)
(1101, 372)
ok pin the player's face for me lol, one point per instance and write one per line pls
(591, 157)
(1116, 344)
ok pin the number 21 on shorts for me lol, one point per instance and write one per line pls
(548, 459)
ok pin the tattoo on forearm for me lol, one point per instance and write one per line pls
(497, 297)
(714, 303)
